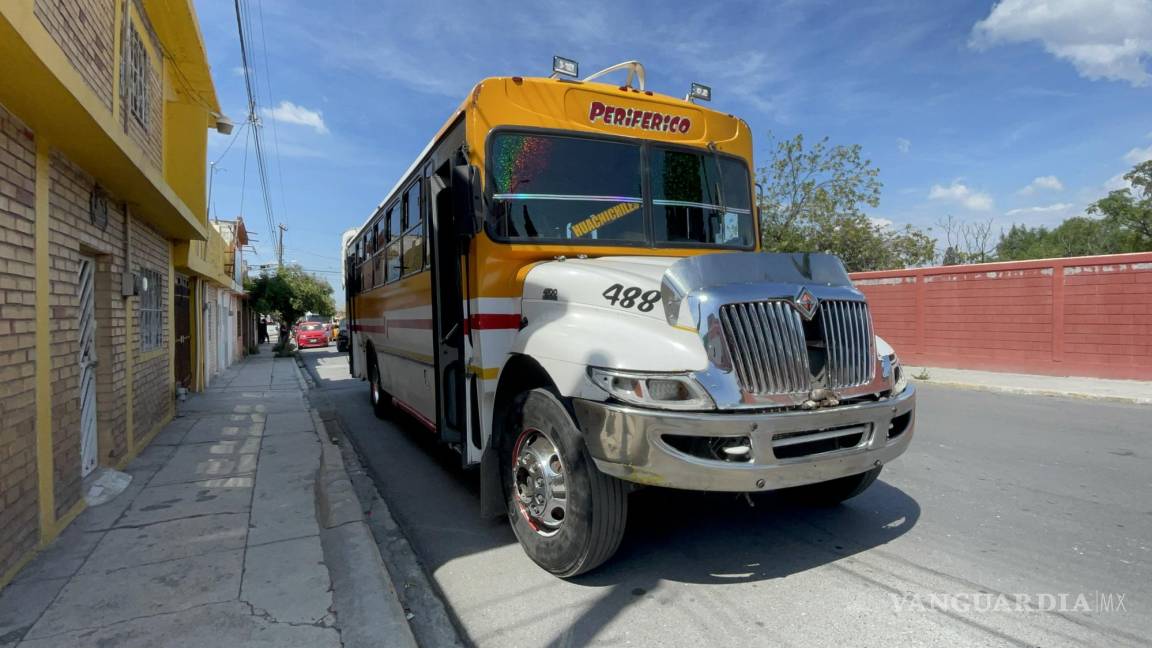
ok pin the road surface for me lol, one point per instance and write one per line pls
(1012, 520)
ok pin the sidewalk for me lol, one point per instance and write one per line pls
(215, 542)
(1125, 391)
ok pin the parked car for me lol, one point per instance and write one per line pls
(342, 335)
(311, 334)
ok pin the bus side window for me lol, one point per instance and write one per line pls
(392, 217)
(414, 236)
(377, 264)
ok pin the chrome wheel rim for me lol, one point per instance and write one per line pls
(375, 386)
(538, 482)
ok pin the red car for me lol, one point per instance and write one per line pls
(311, 334)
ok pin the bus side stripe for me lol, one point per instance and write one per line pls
(491, 321)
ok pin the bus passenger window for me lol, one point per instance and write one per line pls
(413, 240)
(393, 259)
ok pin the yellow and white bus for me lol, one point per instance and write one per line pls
(566, 287)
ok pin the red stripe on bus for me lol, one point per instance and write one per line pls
(410, 323)
(478, 322)
(424, 420)
(492, 321)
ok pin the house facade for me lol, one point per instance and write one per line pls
(105, 107)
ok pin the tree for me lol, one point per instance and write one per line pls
(1131, 208)
(966, 242)
(290, 293)
(814, 200)
(1124, 225)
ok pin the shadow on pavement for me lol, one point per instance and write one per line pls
(672, 536)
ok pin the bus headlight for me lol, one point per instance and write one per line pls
(667, 391)
(899, 377)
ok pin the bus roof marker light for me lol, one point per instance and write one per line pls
(699, 91)
(564, 67)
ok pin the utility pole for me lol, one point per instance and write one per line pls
(280, 247)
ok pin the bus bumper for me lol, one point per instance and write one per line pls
(791, 448)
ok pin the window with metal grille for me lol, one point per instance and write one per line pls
(137, 78)
(151, 310)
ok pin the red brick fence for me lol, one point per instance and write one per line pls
(1080, 316)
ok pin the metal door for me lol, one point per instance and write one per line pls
(182, 312)
(87, 360)
(447, 309)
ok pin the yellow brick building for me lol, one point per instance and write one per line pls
(105, 107)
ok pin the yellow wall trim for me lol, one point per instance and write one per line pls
(44, 457)
(7, 576)
(135, 452)
(151, 355)
(65, 520)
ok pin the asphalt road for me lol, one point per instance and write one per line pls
(1008, 495)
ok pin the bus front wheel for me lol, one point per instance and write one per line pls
(568, 516)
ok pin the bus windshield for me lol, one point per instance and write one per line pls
(553, 188)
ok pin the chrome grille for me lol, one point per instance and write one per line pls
(769, 348)
(767, 345)
(848, 341)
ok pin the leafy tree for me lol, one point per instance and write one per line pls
(1131, 209)
(1124, 225)
(290, 293)
(814, 200)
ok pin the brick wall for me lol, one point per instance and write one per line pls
(18, 481)
(73, 233)
(1083, 316)
(153, 389)
(85, 30)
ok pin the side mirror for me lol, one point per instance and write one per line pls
(467, 202)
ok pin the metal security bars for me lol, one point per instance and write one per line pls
(769, 347)
(848, 341)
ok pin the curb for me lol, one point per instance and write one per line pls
(368, 609)
(1036, 391)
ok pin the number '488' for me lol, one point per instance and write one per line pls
(632, 297)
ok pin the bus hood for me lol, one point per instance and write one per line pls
(626, 284)
(658, 286)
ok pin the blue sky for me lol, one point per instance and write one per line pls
(1022, 111)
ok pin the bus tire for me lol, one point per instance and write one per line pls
(567, 535)
(380, 399)
(835, 491)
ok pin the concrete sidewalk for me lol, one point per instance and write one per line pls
(215, 542)
(1125, 391)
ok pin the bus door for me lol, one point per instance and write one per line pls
(448, 318)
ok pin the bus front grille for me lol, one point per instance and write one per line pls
(774, 352)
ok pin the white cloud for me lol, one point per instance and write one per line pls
(1138, 155)
(1116, 183)
(1102, 40)
(1044, 209)
(960, 193)
(882, 223)
(289, 113)
(1049, 182)
(903, 145)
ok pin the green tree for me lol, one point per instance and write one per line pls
(814, 200)
(1130, 209)
(1124, 224)
(290, 293)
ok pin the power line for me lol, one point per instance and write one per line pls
(243, 16)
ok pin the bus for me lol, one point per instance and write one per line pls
(566, 286)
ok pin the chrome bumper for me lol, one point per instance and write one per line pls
(628, 443)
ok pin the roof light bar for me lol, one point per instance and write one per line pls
(564, 67)
(699, 91)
